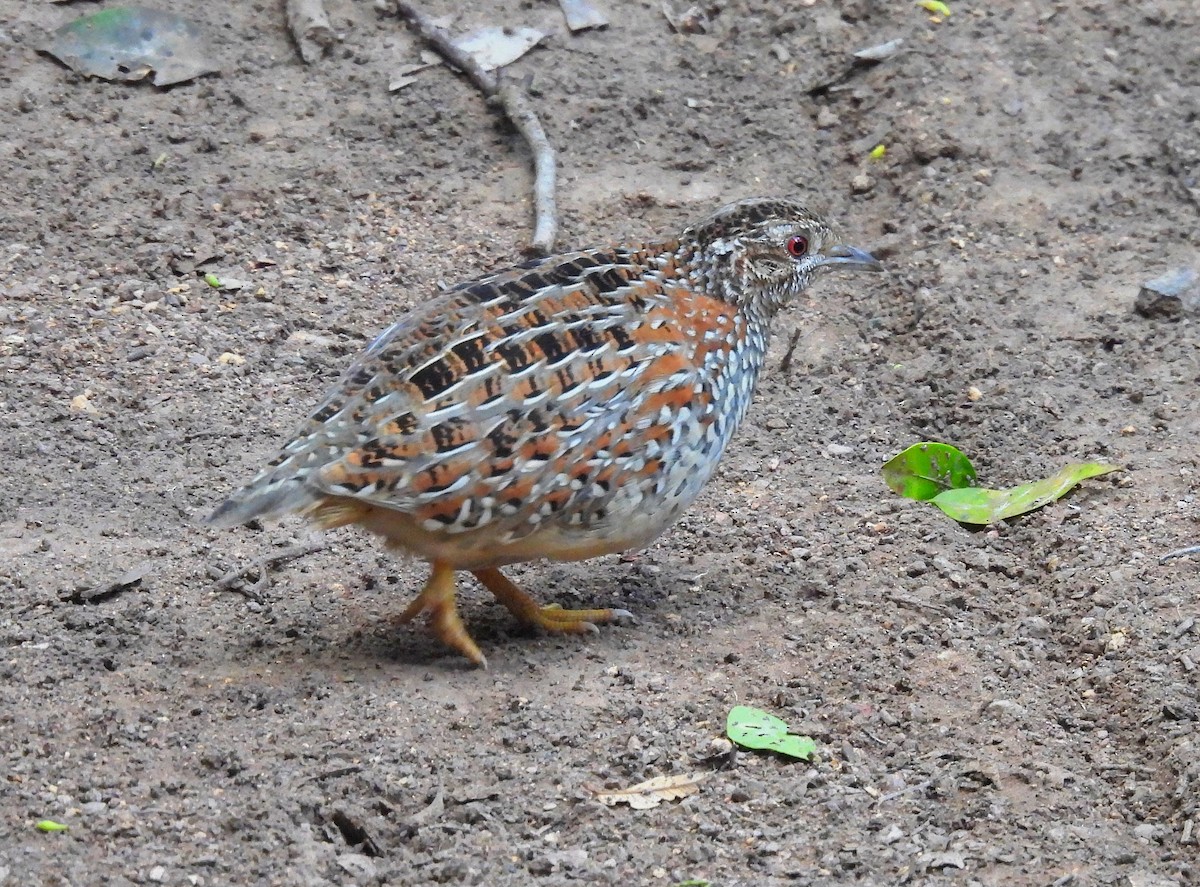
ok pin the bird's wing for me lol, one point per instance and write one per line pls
(511, 399)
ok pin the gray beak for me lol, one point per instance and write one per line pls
(851, 257)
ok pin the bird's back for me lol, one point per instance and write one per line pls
(588, 393)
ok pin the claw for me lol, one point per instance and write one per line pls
(437, 599)
(551, 617)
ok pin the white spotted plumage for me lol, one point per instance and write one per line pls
(563, 408)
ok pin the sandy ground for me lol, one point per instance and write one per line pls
(1010, 706)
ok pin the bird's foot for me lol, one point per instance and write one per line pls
(551, 617)
(437, 599)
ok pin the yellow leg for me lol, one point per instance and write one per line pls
(551, 617)
(437, 599)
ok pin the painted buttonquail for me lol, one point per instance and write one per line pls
(569, 407)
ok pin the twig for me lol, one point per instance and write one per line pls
(786, 363)
(515, 103)
(443, 44)
(917, 604)
(310, 28)
(1181, 552)
(908, 789)
(335, 773)
(105, 590)
(262, 566)
(518, 108)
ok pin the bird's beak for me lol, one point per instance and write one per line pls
(851, 257)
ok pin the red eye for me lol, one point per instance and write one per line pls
(797, 245)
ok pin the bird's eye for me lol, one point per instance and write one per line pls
(797, 245)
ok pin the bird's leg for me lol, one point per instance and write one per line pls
(437, 599)
(551, 617)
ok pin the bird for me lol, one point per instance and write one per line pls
(568, 407)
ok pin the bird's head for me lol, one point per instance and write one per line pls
(760, 253)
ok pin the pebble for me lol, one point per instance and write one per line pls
(1005, 709)
(574, 857)
(1034, 627)
(827, 118)
(1170, 296)
(357, 865)
(1147, 831)
(861, 183)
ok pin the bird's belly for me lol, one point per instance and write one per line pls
(634, 517)
(493, 546)
(639, 506)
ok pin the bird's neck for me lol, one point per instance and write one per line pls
(717, 277)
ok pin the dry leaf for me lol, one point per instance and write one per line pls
(654, 791)
(496, 47)
(581, 15)
(130, 43)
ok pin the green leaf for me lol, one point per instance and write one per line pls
(982, 506)
(755, 729)
(49, 825)
(926, 469)
(801, 747)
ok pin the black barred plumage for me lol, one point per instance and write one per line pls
(564, 408)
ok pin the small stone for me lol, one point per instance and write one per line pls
(1170, 296)
(1148, 879)
(158, 874)
(81, 403)
(573, 858)
(718, 747)
(357, 865)
(945, 860)
(827, 118)
(1147, 831)
(693, 21)
(891, 835)
(861, 183)
(1035, 627)
(1005, 709)
(978, 559)
(945, 566)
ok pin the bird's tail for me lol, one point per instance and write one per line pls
(274, 493)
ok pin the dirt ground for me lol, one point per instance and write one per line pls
(1009, 706)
